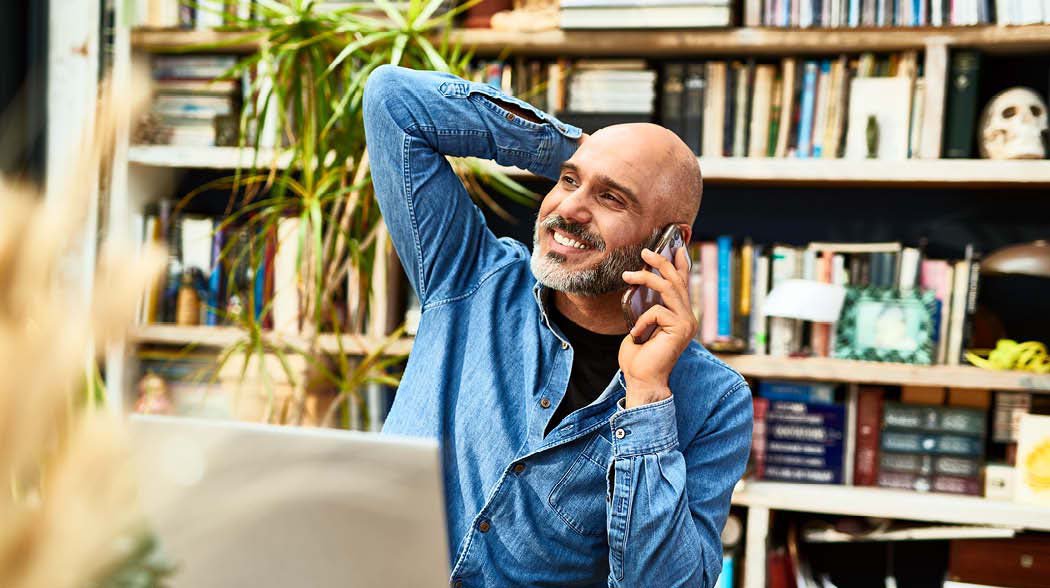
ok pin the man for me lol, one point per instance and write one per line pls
(572, 456)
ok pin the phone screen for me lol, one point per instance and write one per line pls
(639, 299)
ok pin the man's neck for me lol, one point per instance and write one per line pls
(598, 314)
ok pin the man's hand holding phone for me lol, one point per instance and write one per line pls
(647, 365)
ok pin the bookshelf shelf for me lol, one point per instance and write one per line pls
(663, 43)
(892, 374)
(199, 157)
(222, 336)
(894, 504)
(718, 170)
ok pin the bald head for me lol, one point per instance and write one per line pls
(670, 166)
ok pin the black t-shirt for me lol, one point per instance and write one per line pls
(594, 364)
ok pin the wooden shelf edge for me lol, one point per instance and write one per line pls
(205, 336)
(892, 374)
(895, 504)
(663, 43)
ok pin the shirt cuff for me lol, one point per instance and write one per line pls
(651, 428)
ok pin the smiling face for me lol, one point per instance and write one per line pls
(613, 198)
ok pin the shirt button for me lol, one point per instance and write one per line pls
(457, 584)
(484, 526)
(510, 116)
(545, 402)
(518, 468)
(564, 345)
(620, 433)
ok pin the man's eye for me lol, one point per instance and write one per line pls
(568, 180)
(610, 198)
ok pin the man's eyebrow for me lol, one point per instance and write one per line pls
(607, 181)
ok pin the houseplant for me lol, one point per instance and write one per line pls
(305, 105)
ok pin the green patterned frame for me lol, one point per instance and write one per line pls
(919, 304)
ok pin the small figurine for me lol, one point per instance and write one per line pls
(153, 396)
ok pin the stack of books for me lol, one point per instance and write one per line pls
(192, 107)
(612, 86)
(801, 433)
(199, 14)
(730, 283)
(644, 14)
(885, 13)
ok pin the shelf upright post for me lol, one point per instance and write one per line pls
(755, 543)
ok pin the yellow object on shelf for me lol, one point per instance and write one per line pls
(1030, 356)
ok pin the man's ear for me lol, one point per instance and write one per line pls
(687, 232)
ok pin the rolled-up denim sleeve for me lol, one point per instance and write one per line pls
(668, 504)
(413, 120)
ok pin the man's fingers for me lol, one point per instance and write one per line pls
(661, 264)
(674, 295)
(659, 316)
(682, 264)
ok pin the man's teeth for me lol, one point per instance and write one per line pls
(568, 242)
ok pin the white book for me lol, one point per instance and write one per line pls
(889, 101)
(197, 233)
(782, 332)
(758, 144)
(759, 337)
(209, 15)
(286, 277)
(946, 310)
(957, 320)
(909, 259)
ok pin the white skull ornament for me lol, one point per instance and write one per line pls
(1013, 124)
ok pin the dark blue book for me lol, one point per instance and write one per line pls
(813, 392)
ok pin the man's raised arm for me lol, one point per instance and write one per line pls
(413, 119)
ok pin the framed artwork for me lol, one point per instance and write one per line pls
(886, 324)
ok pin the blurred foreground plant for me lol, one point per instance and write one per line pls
(68, 516)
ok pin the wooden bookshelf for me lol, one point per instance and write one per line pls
(662, 43)
(888, 503)
(890, 374)
(175, 156)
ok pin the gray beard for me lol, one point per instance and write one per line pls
(605, 277)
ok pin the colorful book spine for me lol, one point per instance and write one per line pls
(809, 95)
(725, 294)
(709, 316)
(215, 280)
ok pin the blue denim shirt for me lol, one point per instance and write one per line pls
(488, 370)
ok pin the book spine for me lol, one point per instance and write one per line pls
(694, 104)
(709, 267)
(820, 116)
(728, 126)
(745, 275)
(671, 101)
(961, 108)
(805, 127)
(215, 280)
(758, 436)
(725, 295)
(869, 417)
(759, 344)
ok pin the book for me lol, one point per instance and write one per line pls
(787, 106)
(935, 72)
(956, 328)
(725, 280)
(820, 116)
(758, 133)
(934, 443)
(783, 340)
(888, 101)
(868, 430)
(744, 278)
(695, 85)
(809, 91)
(961, 104)
(947, 419)
(741, 108)
(673, 106)
(791, 391)
(286, 277)
(714, 108)
(709, 318)
(759, 343)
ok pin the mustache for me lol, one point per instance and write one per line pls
(580, 232)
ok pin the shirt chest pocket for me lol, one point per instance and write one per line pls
(579, 498)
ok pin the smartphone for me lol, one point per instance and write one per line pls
(638, 299)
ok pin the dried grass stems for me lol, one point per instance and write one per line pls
(69, 495)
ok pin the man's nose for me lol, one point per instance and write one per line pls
(575, 208)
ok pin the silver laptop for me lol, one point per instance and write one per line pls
(237, 504)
